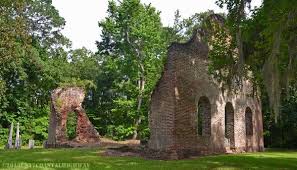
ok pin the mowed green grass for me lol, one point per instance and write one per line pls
(91, 159)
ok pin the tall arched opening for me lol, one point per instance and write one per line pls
(229, 124)
(204, 117)
(248, 122)
(71, 125)
(248, 128)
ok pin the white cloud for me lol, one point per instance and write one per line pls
(82, 16)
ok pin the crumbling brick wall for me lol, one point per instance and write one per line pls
(64, 101)
(174, 104)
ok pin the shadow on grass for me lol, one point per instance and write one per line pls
(264, 160)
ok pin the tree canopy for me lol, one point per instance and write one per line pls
(36, 58)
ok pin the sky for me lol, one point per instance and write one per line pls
(82, 16)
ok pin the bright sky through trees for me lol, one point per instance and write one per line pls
(82, 16)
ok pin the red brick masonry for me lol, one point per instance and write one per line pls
(65, 100)
(173, 122)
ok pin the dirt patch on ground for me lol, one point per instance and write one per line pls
(123, 151)
(109, 143)
(121, 148)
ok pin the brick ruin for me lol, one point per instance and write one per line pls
(190, 114)
(64, 101)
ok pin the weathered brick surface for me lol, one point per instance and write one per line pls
(173, 110)
(63, 101)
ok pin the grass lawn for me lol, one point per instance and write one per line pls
(91, 159)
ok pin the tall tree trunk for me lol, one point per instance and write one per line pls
(141, 85)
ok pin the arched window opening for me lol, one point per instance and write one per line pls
(229, 124)
(204, 117)
(248, 121)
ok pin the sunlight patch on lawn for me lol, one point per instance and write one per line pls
(262, 160)
(272, 155)
(85, 157)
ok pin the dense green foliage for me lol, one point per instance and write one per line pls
(34, 62)
(282, 134)
(75, 158)
(35, 58)
(27, 51)
(71, 125)
(266, 49)
(132, 48)
(119, 79)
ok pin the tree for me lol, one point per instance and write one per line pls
(183, 29)
(236, 17)
(30, 42)
(265, 43)
(132, 39)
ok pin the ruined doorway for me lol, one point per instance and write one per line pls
(203, 117)
(71, 125)
(229, 125)
(66, 108)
